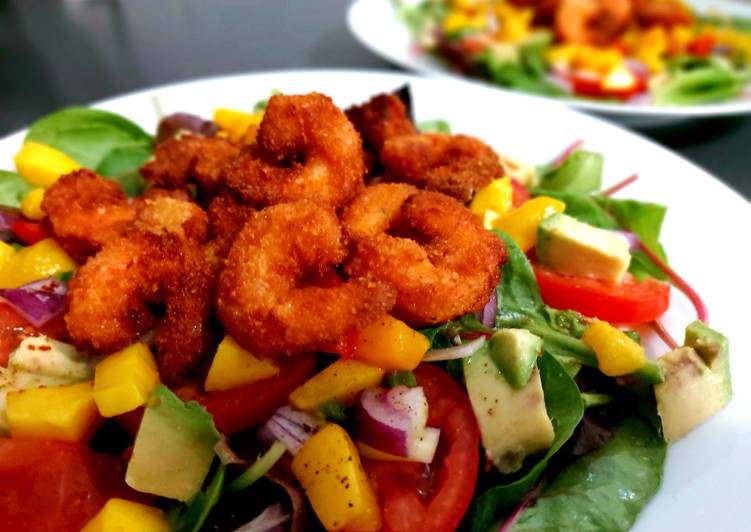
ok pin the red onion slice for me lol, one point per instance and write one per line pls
(452, 353)
(291, 427)
(37, 302)
(487, 316)
(271, 519)
(7, 217)
(171, 125)
(394, 421)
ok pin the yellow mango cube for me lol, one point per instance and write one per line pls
(495, 197)
(329, 469)
(617, 354)
(43, 259)
(123, 381)
(31, 205)
(521, 224)
(233, 366)
(41, 165)
(342, 380)
(236, 123)
(119, 515)
(66, 413)
(391, 344)
(6, 254)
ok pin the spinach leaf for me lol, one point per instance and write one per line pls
(102, 141)
(604, 490)
(581, 172)
(13, 188)
(434, 126)
(583, 207)
(565, 409)
(189, 517)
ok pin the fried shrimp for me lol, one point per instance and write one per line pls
(112, 299)
(85, 211)
(227, 216)
(306, 149)
(186, 159)
(597, 22)
(435, 253)
(380, 118)
(377, 209)
(162, 213)
(662, 12)
(264, 299)
(456, 165)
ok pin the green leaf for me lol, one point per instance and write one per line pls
(565, 409)
(191, 516)
(583, 207)
(581, 172)
(87, 135)
(434, 126)
(334, 410)
(122, 164)
(401, 378)
(693, 81)
(604, 490)
(13, 188)
(518, 293)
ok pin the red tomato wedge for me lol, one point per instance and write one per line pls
(244, 407)
(418, 497)
(628, 302)
(50, 485)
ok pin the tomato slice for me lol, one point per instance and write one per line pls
(418, 497)
(54, 485)
(520, 193)
(628, 302)
(244, 407)
(702, 45)
(30, 232)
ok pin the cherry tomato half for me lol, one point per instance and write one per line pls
(418, 497)
(628, 302)
(30, 232)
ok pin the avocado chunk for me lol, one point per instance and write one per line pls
(697, 381)
(513, 423)
(515, 353)
(174, 447)
(571, 247)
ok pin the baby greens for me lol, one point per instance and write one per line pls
(13, 188)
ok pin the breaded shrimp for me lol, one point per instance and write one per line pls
(382, 117)
(377, 209)
(456, 165)
(597, 22)
(162, 213)
(85, 211)
(186, 159)
(662, 12)
(306, 149)
(263, 299)
(227, 216)
(437, 255)
(112, 298)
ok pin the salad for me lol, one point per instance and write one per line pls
(657, 52)
(224, 327)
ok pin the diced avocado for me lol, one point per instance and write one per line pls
(697, 381)
(174, 447)
(515, 353)
(513, 423)
(571, 247)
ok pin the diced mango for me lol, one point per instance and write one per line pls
(617, 354)
(391, 344)
(31, 204)
(43, 259)
(119, 515)
(521, 224)
(495, 197)
(236, 123)
(41, 165)
(329, 469)
(342, 380)
(372, 453)
(65, 413)
(123, 381)
(233, 366)
(6, 254)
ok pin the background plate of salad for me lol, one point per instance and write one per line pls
(645, 62)
(703, 234)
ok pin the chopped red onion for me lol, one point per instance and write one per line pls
(291, 427)
(37, 302)
(270, 520)
(7, 217)
(487, 316)
(394, 421)
(173, 124)
(452, 353)
(633, 239)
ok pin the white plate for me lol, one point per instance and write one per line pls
(377, 26)
(705, 234)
